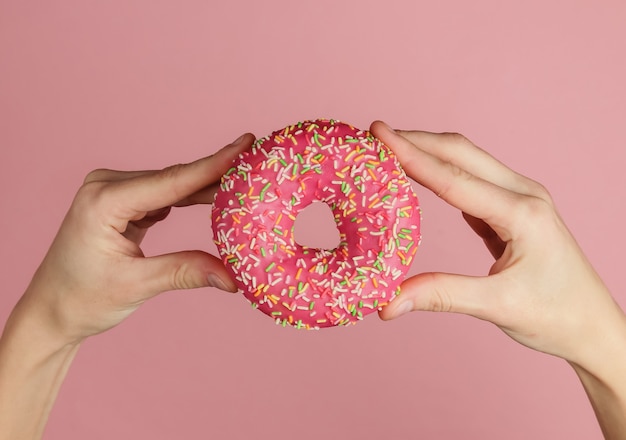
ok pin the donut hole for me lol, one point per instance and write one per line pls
(315, 227)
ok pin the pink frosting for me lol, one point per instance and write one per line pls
(375, 209)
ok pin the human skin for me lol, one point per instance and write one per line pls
(541, 290)
(552, 301)
(95, 275)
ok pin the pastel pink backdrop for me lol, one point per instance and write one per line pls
(143, 84)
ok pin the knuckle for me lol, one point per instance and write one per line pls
(540, 191)
(89, 204)
(97, 175)
(98, 195)
(171, 175)
(172, 171)
(91, 193)
(182, 278)
(532, 211)
(455, 176)
(456, 138)
(536, 207)
(95, 194)
(440, 300)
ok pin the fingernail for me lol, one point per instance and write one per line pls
(238, 140)
(216, 281)
(402, 308)
(388, 127)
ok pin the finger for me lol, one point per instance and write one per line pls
(148, 192)
(135, 234)
(460, 151)
(152, 217)
(494, 243)
(206, 196)
(461, 189)
(183, 270)
(107, 175)
(136, 230)
(175, 183)
(441, 292)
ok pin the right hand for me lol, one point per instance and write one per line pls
(541, 291)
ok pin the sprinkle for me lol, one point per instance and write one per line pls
(264, 190)
(373, 209)
(316, 139)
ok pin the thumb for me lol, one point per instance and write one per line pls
(184, 270)
(441, 292)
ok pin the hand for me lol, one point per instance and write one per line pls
(95, 273)
(541, 290)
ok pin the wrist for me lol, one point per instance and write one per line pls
(32, 333)
(34, 361)
(602, 352)
(602, 373)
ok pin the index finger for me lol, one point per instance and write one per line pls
(151, 191)
(458, 187)
(460, 151)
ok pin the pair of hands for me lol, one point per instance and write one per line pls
(541, 290)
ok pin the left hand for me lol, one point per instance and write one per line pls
(95, 273)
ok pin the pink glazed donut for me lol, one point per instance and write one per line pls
(375, 209)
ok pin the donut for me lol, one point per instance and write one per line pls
(374, 207)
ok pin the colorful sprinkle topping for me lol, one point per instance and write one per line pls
(374, 207)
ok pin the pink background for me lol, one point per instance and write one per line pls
(144, 84)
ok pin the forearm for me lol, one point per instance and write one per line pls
(609, 404)
(604, 378)
(33, 365)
